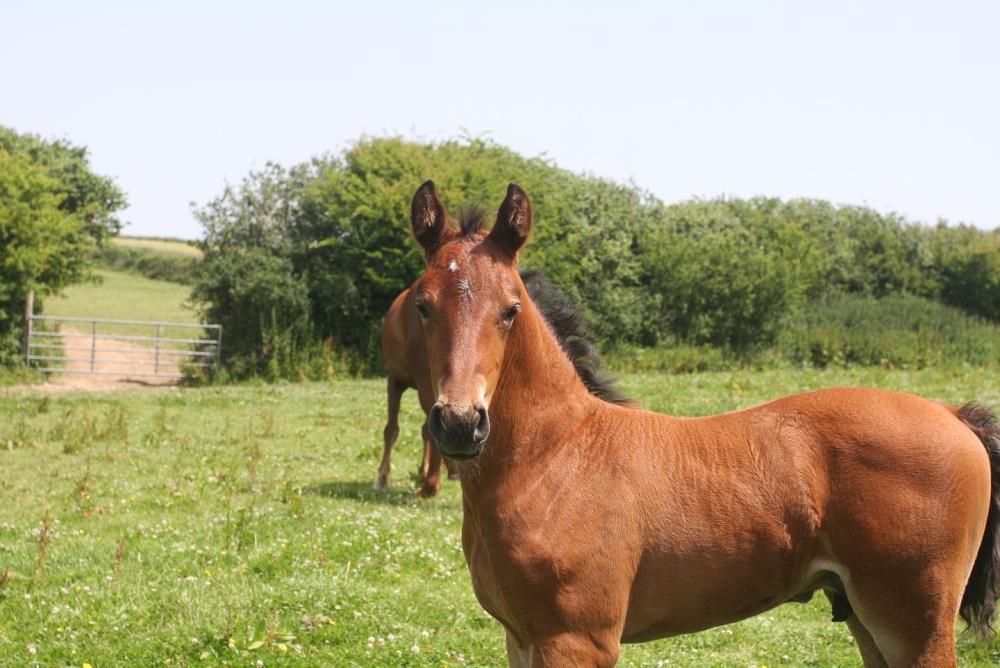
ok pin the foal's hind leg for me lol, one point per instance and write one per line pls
(912, 621)
(394, 391)
(870, 653)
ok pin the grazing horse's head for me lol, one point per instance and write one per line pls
(468, 300)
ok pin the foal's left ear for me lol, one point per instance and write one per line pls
(429, 218)
(513, 221)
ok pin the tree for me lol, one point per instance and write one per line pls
(967, 261)
(53, 211)
(246, 280)
(92, 198)
(42, 246)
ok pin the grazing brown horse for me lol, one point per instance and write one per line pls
(404, 352)
(588, 524)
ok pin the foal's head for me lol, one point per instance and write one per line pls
(468, 300)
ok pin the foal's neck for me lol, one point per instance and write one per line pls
(538, 402)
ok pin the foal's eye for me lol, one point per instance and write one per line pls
(422, 310)
(508, 315)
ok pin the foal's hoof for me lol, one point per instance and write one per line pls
(427, 491)
(381, 484)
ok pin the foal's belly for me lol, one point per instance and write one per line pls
(675, 594)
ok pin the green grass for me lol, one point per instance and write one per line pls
(164, 246)
(121, 295)
(17, 375)
(227, 525)
(125, 296)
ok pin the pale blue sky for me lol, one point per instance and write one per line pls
(893, 104)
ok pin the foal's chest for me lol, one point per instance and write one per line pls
(531, 572)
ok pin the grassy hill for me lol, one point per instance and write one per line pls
(126, 296)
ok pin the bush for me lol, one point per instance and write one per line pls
(967, 266)
(262, 307)
(342, 227)
(724, 274)
(356, 253)
(898, 330)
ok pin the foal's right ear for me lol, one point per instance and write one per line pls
(513, 221)
(429, 218)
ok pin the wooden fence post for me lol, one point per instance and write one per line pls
(29, 310)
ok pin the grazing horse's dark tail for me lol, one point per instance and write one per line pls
(980, 598)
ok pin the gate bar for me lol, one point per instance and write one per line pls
(112, 321)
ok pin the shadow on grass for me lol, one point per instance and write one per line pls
(362, 491)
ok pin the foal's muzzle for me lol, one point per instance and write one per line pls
(459, 431)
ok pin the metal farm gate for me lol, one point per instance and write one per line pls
(146, 348)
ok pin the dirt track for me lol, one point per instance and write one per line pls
(123, 366)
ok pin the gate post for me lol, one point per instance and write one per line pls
(29, 310)
(156, 364)
(93, 344)
(216, 364)
(218, 348)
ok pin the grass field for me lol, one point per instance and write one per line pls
(165, 246)
(237, 526)
(126, 296)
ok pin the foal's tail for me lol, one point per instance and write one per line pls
(980, 598)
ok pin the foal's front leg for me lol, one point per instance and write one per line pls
(565, 650)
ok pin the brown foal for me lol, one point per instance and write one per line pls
(404, 352)
(589, 524)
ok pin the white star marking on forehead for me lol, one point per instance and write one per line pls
(453, 266)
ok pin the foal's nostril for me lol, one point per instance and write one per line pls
(483, 427)
(434, 418)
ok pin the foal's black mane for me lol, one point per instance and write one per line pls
(561, 314)
(471, 219)
(571, 332)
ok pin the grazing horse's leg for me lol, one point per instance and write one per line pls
(430, 467)
(394, 391)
